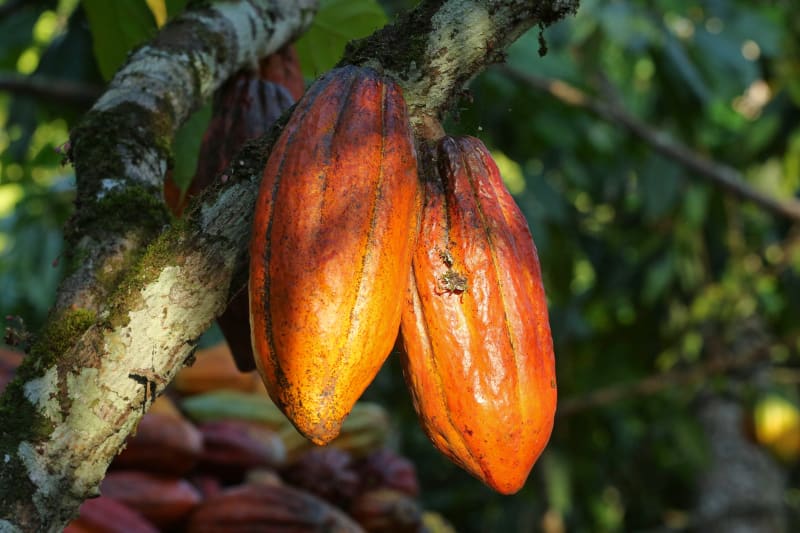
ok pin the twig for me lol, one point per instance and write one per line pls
(10, 7)
(658, 382)
(723, 176)
(60, 91)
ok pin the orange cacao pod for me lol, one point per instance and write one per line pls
(331, 247)
(478, 352)
(213, 367)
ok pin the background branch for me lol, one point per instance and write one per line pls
(660, 382)
(58, 91)
(723, 176)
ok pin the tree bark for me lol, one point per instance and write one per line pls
(128, 316)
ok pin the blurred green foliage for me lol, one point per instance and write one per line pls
(648, 268)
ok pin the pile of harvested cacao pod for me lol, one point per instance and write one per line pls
(214, 454)
(359, 227)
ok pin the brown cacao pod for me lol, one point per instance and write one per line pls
(164, 501)
(327, 472)
(283, 68)
(163, 444)
(331, 247)
(387, 511)
(232, 447)
(386, 469)
(264, 507)
(244, 108)
(478, 352)
(104, 515)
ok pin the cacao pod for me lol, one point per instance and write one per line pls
(232, 447)
(104, 515)
(326, 472)
(163, 444)
(264, 507)
(162, 500)
(214, 369)
(387, 511)
(386, 469)
(331, 246)
(244, 108)
(233, 405)
(283, 67)
(478, 352)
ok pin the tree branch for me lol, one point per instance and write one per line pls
(58, 91)
(723, 176)
(81, 390)
(659, 382)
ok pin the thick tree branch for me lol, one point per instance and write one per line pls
(82, 390)
(121, 149)
(722, 176)
(57, 91)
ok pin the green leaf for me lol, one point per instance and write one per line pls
(337, 22)
(186, 146)
(117, 27)
(175, 7)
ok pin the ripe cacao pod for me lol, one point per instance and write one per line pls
(327, 472)
(331, 246)
(478, 352)
(264, 507)
(164, 501)
(104, 515)
(387, 511)
(232, 447)
(164, 444)
(283, 67)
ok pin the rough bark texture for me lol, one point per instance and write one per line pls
(742, 490)
(126, 319)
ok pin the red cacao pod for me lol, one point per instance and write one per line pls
(232, 447)
(283, 68)
(162, 500)
(478, 352)
(331, 247)
(104, 515)
(265, 507)
(163, 444)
